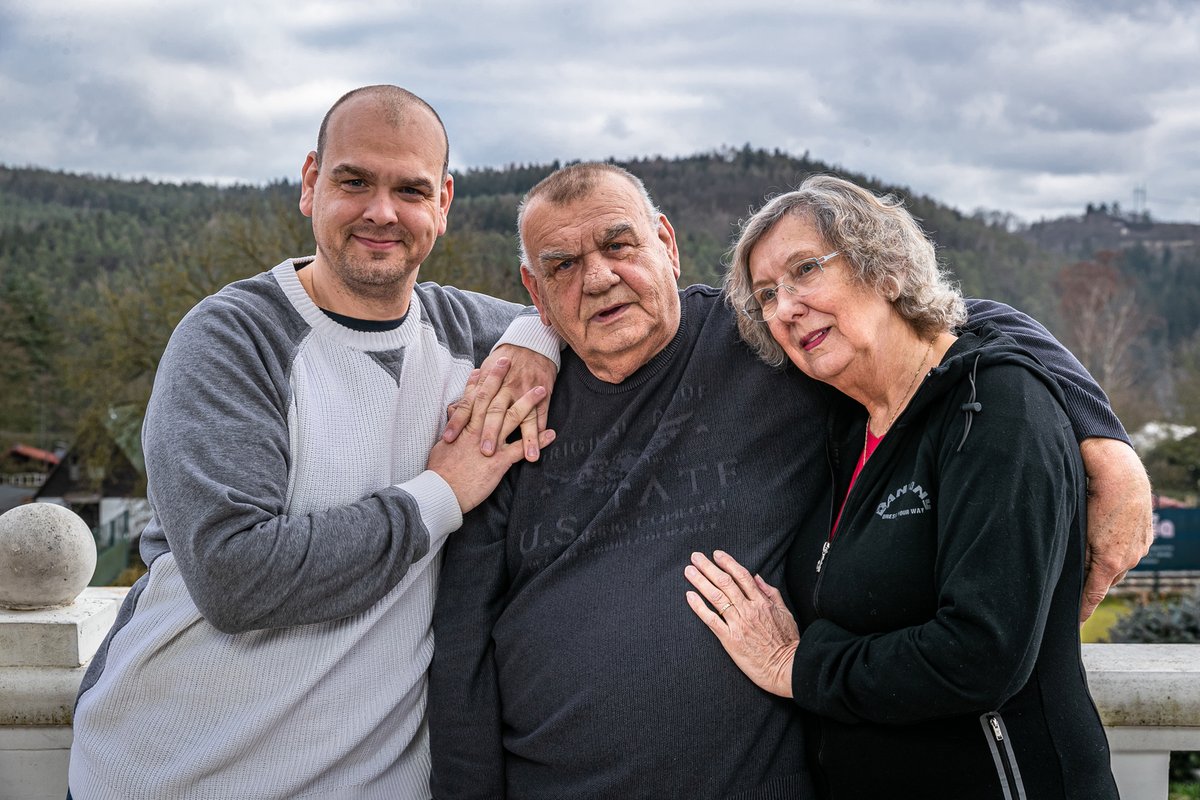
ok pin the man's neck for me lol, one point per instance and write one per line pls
(330, 294)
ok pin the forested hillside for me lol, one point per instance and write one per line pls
(96, 272)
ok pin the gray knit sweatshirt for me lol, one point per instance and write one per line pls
(278, 646)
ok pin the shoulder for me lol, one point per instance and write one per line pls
(249, 321)
(1011, 393)
(702, 296)
(706, 305)
(444, 305)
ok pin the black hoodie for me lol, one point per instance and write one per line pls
(939, 640)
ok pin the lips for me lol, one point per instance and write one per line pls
(609, 312)
(813, 339)
(380, 238)
(376, 244)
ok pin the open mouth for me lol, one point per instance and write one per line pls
(611, 312)
(814, 339)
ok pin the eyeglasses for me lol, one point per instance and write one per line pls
(802, 278)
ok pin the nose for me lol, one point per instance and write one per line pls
(598, 277)
(381, 209)
(789, 304)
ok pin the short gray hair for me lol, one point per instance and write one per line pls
(575, 182)
(881, 242)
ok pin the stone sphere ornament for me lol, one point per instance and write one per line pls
(47, 556)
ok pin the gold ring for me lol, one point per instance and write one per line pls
(726, 608)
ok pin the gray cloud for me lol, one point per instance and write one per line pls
(1036, 108)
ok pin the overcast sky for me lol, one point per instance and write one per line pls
(1034, 108)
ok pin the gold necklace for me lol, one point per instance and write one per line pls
(904, 397)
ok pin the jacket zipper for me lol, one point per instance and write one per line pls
(824, 551)
(1003, 756)
(832, 511)
(828, 540)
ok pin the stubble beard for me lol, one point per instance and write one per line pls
(374, 275)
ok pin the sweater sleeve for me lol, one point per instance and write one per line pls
(217, 447)
(474, 323)
(1087, 405)
(465, 720)
(1005, 506)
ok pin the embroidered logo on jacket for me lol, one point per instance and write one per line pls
(918, 502)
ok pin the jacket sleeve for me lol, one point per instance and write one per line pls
(465, 719)
(1005, 508)
(217, 448)
(1087, 405)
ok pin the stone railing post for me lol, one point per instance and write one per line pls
(1148, 696)
(50, 627)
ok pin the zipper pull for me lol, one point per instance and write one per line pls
(996, 729)
(824, 550)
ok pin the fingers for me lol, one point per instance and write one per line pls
(529, 435)
(528, 369)
(740, 574)
(1095, 587)
(707, 616)
(1101, 576)
(770, 591)
(485, 399)
(459, 413)
(714, 584)
(504, 415)
(515, 451)
(503, 418)
(523, 413)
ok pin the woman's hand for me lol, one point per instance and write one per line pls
(751, 621)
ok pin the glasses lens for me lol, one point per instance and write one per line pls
(752, 309)
(761, 305)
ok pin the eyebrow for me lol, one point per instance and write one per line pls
(616, 231)
(343, 171)
(547, 257)
(795, 257)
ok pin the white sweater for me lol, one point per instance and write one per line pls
(278, 646)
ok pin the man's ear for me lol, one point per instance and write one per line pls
(666, 234)
(308, 183)
(531, 285)
(444, 203)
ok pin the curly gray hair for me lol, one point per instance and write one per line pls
(881, 242)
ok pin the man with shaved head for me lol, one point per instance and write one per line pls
(568, 663)
(302, 492)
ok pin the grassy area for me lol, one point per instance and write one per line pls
(1184, 791)
(1110, 609)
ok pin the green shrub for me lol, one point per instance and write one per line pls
(1173, 621)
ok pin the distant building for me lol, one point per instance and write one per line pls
(23, 469)
(112, 502)
(1101, 230)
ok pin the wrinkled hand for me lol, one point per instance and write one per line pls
(471, 474)
(751, 621)
(508, 374)
(1119, 517)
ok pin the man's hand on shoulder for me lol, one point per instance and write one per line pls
(1119, 526)
(461, 461)
(519, 371)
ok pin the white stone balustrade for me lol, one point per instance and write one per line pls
(1148, 696)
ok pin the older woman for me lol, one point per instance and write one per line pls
(937, 647)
